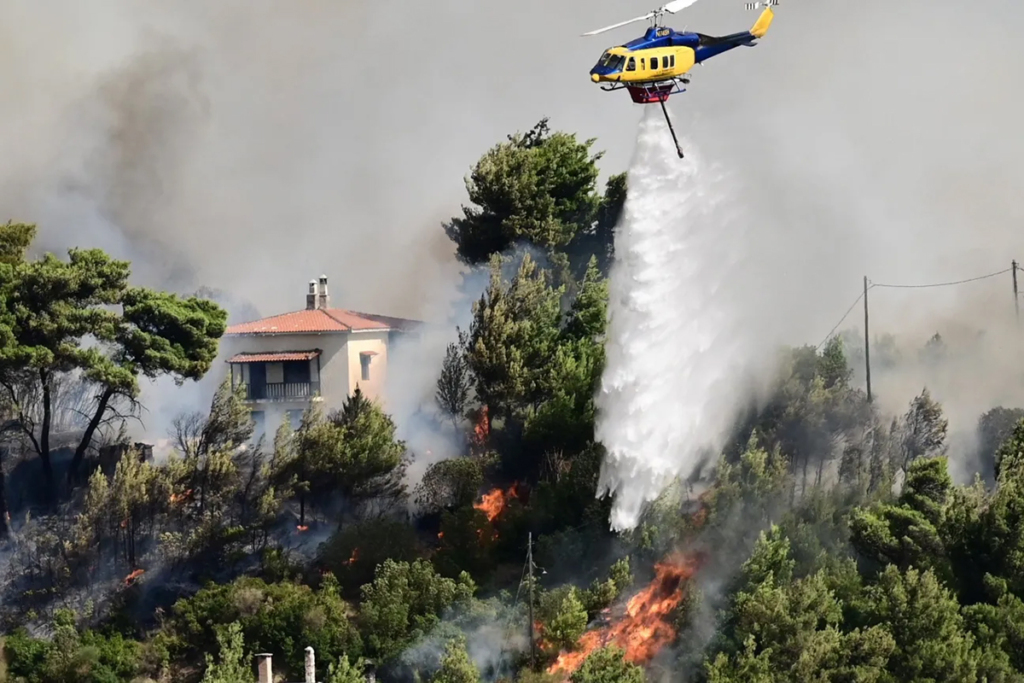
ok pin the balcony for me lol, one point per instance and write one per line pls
(282, 391)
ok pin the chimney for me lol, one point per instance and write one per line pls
(310, 666)
(264, 668)
(311, 297)
(325, 299)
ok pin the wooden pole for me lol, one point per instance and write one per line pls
(867, 340)
(529, 563)
(1016, 297)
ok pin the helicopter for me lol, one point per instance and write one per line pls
(655, 66)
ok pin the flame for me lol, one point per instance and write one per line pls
(440, 534)
(482, 427)
(180, 497)
(302, 527)
(644, 629)
(493, 503)
(353, 558)
(128, 580)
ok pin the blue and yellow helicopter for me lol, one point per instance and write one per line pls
(654, 67)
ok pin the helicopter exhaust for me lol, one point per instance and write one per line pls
(672, 130)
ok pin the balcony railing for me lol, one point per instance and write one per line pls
(282, 391)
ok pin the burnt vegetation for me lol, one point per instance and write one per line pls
(831, 545)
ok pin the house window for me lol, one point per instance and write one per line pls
(364, 362)
(295, 419)
(296, 372)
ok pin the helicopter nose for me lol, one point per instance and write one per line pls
(595, 78)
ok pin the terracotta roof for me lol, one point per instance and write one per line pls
(273, 356)
(321, 320)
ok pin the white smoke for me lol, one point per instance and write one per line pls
(678, 346)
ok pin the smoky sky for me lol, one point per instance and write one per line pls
(250, 146)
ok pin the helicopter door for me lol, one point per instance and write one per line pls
(654, 63)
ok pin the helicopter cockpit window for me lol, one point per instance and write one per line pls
(615, 62)
(631, 64)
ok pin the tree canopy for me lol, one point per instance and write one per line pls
(833, 541)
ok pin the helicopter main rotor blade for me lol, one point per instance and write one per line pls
(677, 6)
(671, 8)
(623, 23)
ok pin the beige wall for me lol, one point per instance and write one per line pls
(333, 363)
(340, 368)
(358, 342)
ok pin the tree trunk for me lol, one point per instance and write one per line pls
(44, 438)
(803, 485)
(90, 430)
(5, 528)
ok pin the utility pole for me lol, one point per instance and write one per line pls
(529, 564)
(1016, 297)
(867, 339)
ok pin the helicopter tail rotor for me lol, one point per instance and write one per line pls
(762, 3)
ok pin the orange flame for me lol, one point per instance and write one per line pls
(353, 558)
(644, 629)
(128, 580)
(481, 428)
(302, 527)
(180, 497)
(493, 503)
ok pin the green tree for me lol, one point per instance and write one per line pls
(456, 666)
(57, 308)
(450, 484)
(513, 336)
(598, 241)
(232, 665)
(994, 427)
(924, 429)
(345, 671)
(404, 602)
(925, 621)
(563, 615)
(538, 187)
(455, 382)
(608, 665)
(588, 315)
(353, 452)
(908, 533)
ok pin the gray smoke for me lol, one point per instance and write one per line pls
(249, 146)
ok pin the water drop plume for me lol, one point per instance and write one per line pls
(678, 348)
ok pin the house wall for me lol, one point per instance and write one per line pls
(334, 370)
(358, 342)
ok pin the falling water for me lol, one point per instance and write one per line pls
(677, 347)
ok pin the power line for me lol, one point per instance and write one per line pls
(845, 315)
(872, 285)
(944, 284)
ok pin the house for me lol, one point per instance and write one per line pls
(317, 354)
